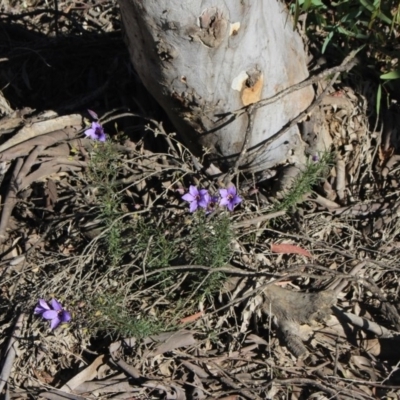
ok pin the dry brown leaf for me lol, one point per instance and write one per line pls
(166, 368)
(384, 155)
(252, 338)
(363, 364)
(192, 318)
(173, 391)
(106, 386)
(285, 248)
(245, 352)
(51, 194)
(340, 178)
(87, 374)
(128, 342)
(172, 341)
(372, 346)
(56, 394)
(43, 376)
(195, 369)
(198, 392)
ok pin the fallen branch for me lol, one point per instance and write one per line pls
(365, 324)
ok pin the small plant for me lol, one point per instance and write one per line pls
(211, 246)
(158, 247)
(104, 169)
(316, 170)
(371, 22)
(155, 245)
(211, 238)
(111, 315)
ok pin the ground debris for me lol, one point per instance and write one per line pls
(304, 303)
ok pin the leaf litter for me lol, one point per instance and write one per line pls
(102, 228)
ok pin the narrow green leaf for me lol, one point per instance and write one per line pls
(373, 10)
(326, 42)
(391, 75)
(367, 5)
(352, 34)
(378, 100)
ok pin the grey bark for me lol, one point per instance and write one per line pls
(201, 59)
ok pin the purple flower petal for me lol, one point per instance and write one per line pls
(236, 200)
(223, 192)
(188, 197)
(204, 200)
(54, 323)
(65, 316)
(193, 191)
(51, 314)
(224, 202)
(193, 206)
(41, 307)
(96, 132)
(203, 192)
(38, 310)
(231, 190)
(56, 305)
(90, 133)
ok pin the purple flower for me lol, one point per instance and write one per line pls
(229, 198)
(315, 158)
(212, 204)
(96, 132)
(55, 313)
(197, 198)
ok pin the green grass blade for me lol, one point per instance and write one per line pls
(378, 100)
(391, 75)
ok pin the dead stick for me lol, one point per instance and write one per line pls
(28, 165)
(10, 200)
(11, 352)
(19, 174)
(365, 324)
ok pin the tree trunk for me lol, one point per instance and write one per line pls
(204, 59)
